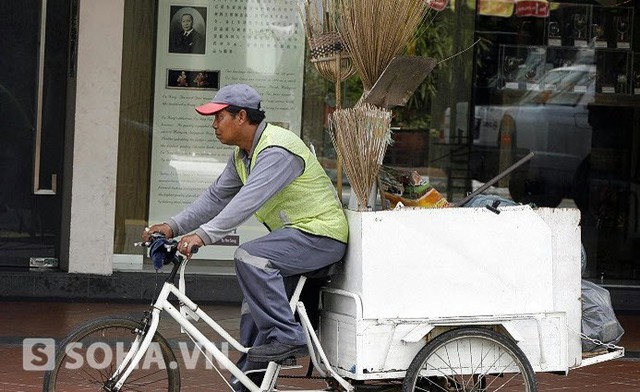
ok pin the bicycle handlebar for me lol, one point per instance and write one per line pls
(163, 251)
(169, 255)
(170, 246)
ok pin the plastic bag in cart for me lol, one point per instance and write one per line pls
(598, 319)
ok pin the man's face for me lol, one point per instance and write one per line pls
(187, 22)
(226, 127)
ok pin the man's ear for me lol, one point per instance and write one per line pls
(242, 116)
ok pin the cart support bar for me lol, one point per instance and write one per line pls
(495, 179)
(619, 353)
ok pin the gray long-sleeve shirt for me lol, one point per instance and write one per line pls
(227, 203)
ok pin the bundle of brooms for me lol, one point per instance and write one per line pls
(374, 32)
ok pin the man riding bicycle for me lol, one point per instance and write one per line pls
(272, 174)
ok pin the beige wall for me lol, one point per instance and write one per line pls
(96, 136)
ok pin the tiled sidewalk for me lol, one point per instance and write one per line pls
(19, 320)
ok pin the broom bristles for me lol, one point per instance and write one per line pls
(377, 31)
(360, 136)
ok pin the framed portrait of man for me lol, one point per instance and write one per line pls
(187, 30)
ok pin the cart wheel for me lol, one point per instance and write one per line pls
(470, 359)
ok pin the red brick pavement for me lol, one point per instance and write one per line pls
(19, 320)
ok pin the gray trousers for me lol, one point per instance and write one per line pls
(267, 270)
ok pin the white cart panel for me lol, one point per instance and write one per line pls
(471, 265)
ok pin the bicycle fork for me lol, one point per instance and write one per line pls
(138, 349)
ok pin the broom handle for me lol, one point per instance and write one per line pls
(495, 179)
(339, 106)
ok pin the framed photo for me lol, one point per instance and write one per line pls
(572, 70)
(187, 29)
(193, 79)
(556, 26)
(600, 27)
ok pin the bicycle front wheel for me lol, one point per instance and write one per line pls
(470, 359)
(88, 358)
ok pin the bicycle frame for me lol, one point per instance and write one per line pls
(162, 303)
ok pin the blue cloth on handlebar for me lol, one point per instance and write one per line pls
(160, 255)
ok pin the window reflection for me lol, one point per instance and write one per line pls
(562, 89)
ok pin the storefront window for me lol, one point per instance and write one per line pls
(136, 128)
(559, 81)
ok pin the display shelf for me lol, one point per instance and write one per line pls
(613, 72)
(569, 69)
(582, 26)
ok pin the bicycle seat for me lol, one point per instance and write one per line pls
(325, 272)
(310, 294)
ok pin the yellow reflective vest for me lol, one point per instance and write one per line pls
(310, 202)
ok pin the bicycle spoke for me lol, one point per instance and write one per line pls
(481, 360)
(100, 363)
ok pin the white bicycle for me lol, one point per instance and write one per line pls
(112, 353)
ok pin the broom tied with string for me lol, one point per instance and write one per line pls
(361, 135)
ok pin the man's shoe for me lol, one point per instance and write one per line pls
(276, 352)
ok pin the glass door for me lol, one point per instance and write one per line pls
(36, 63)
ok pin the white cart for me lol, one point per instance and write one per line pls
(457, 299)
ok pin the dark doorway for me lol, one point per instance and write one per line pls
(34, 58)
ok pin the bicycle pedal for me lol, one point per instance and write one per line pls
(291, 361)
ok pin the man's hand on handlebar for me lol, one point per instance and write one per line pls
(162, 228)
(189, 244)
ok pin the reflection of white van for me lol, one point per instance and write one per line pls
(551, 119)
